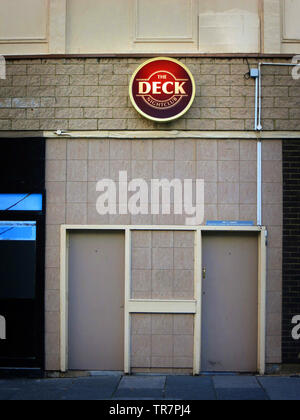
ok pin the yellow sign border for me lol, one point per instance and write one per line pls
(162, 120)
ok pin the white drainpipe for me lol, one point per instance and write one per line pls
(259, 184)
(257, 74)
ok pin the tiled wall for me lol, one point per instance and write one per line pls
(162, 265)
(74, 167)
(92, 94)
(229, 168)
(162, 268)
(161, 342)
(272, 218)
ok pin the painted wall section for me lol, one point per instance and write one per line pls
(23, 26)
(29, 20)
(153, 26)
(291, 14)
(230, 27)
(98, 26)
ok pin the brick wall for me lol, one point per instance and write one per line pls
(92, 94)
(291, 250)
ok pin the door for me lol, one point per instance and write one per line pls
(21, 307)
(229, 302)
(96, 300)
(22, 254)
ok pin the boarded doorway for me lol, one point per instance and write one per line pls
(230, 302)
(96, 300)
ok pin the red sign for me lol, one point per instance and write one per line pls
(162, 89)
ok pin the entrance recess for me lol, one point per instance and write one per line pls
(94, 325)
(229, 302)
(96, 300)
(22, 255)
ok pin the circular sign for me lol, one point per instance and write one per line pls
(162, 89)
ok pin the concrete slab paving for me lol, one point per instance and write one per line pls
(141, 386)
(42, 389)
(161, 387)
(190, 388)
(6, 395)
(135, 399)
(235, 387)
(154, 394)
(281, 388)
(241, 394)
(10, 387)
(95, 388)
(234, 381)
(13, 383)
(145, 382)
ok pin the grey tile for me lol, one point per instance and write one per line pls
(6, 394)
(142, 382)
(235, 381)
(241, 394)
(13, 383)
(43, 389)
(147, 387)
(10, 387)
(140, 393)
(282, 388)
(92, 388)
(189, 388)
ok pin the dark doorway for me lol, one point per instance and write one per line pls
(22, 254)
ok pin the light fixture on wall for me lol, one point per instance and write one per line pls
(62, 133)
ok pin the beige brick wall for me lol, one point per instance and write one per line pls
(229, 170)
(92, 94)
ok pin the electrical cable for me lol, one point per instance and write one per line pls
(247, 75)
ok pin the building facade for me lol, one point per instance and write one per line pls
(147, 291)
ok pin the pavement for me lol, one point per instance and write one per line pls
(142, 387)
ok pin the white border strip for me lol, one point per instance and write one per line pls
(152, 306)
(172, 134)
(63, 299)
(127, 326)
(198, 297)
(152, 134)
(262, 299)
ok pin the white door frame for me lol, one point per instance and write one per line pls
(164, 306)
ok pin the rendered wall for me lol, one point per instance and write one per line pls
(132, 26)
